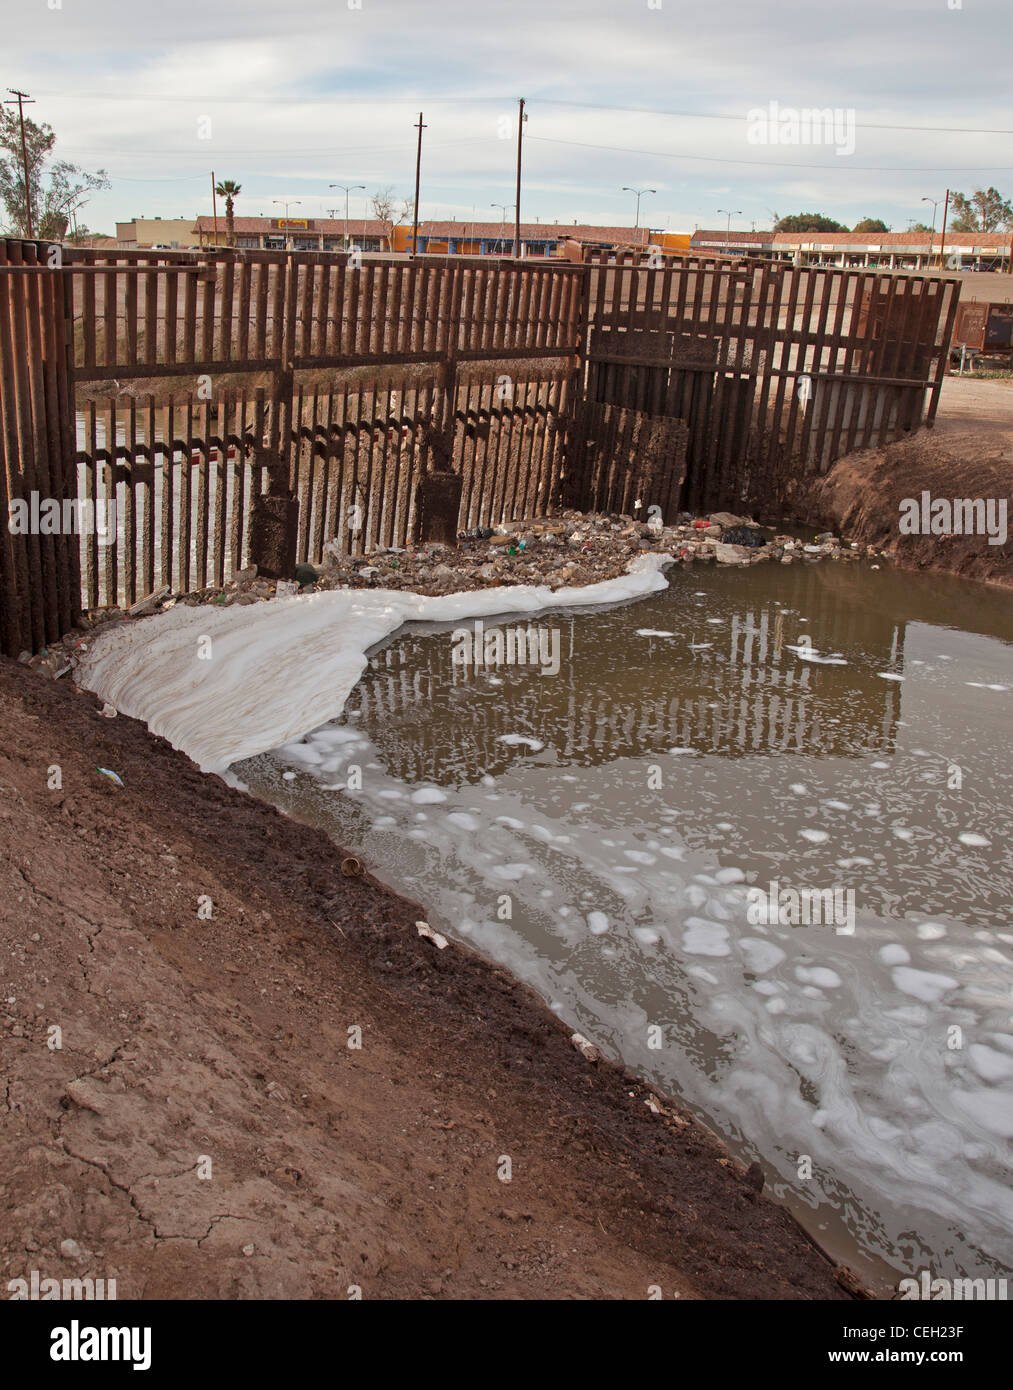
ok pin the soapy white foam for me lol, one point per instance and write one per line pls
(278, 669)
(894, 954)
(923, 984)
(806, 653)
(521, 741)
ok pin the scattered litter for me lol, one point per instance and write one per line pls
(424, 929)
(107, 772)
(585, 1047)
(351, 867)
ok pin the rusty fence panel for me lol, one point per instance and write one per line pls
(372, 375)
(39, 566)
(186, 388)
(776, 370)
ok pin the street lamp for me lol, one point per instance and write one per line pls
(932, 239)
(286, 204)
(728, 228)
(346, 187)
(505, 207)
(640, 193)
(935, 203)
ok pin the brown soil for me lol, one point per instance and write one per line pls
(185, 1039)
(967, 454)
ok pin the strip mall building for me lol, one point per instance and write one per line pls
(447, 238)
(882, 250)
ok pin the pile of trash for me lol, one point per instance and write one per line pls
(567, 551)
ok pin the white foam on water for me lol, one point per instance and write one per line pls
(923, 984)
(806, 653)
(278, 669)
(521, 741)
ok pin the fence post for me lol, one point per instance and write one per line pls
(574, 488)
(274, 525)
(439, 486)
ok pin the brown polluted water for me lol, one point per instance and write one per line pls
(751, 836)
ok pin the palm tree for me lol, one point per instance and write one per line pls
(229, 190)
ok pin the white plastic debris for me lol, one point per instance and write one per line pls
(424, 929)
(585, 1047)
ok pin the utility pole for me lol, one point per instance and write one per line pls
(942, 234)
(521, 118)
(418, 172)
(214, 204)
(21, 98)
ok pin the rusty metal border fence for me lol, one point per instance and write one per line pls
(722, 345)
(184, 386)
(39, 573)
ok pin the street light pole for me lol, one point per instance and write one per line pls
(640, 193)
(286, 204)
(346, 187)
(504, 206)
(932, 235)
(728, 229)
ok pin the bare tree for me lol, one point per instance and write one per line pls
(389, 214)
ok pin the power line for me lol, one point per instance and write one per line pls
(386, 99)
(723, 116)
(282, 153)
(787, 164)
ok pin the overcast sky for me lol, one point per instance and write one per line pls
(649, 93)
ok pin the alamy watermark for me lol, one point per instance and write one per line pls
(803, 907)
(36, 515)
(775, 124)
(38, 1288)
(944, 1290)
(959, 516)
(507, 646)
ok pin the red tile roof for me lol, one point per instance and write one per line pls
(467, 231)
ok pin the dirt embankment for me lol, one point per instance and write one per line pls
(205, 1130)
(968, 454)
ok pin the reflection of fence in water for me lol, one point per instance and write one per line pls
(746, 694)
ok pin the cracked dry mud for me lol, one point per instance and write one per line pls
(186, 1040)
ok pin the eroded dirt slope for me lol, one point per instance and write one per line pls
(186, 1040)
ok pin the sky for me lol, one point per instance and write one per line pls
(291, 96)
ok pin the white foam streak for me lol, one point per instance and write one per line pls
(279, 669)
